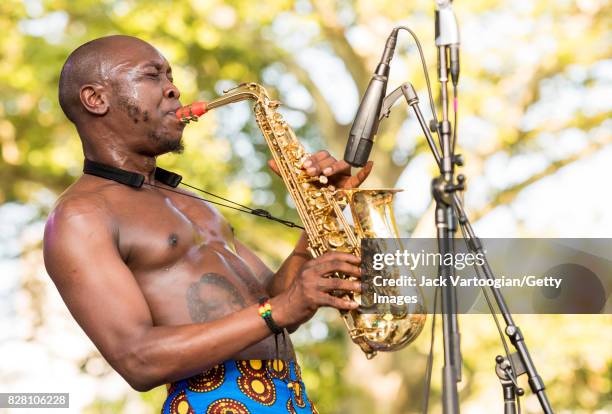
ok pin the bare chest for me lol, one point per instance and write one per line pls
(182, 252)
(156, 231)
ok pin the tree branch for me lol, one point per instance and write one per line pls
(334, 33)
(508, 195)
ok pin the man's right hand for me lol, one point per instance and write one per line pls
(311, 288)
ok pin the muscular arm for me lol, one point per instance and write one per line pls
(277, 282)
(81, 256)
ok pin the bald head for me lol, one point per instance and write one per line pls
(120, 94)
(90, 64)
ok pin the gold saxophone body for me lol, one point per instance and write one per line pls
(320, 207)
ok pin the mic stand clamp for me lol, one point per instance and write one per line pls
(507, 378)
(407, 90)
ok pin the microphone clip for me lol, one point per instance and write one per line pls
(447, 30)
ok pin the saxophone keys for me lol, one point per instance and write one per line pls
(299, 153)
(323, 179)
(279, 131)
(320, 203)
(330, 225)
(335, 240)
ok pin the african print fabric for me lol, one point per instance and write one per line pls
(241, 387)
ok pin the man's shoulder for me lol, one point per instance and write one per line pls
(80, 225)
(81, 207)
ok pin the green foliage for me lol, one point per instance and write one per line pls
(214, 44)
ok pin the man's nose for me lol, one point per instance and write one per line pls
(172, 91)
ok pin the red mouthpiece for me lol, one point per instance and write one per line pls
(191, 112)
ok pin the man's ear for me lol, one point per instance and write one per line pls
(94, 99)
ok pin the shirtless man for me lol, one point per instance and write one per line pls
(156, 279)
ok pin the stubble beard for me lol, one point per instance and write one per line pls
(162, 141)
(167, 144)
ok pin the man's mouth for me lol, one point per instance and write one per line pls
(173, 115)
(173, 110)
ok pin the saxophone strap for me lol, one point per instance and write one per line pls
(136, 180)
(129, 178)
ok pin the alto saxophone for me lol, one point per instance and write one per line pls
(320, 207)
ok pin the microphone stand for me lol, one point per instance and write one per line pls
(449, 211)
(442, 188)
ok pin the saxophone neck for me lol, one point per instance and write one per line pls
(242, 92)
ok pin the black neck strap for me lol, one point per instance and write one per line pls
(129, 178)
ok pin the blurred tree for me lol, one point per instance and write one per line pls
(315, 56)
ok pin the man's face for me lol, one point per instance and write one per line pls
(144, 100)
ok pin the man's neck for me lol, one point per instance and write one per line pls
(133, 162)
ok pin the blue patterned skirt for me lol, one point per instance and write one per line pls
(241, 387)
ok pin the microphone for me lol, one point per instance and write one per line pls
(365, 125)
(447, 34)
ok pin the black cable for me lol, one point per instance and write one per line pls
(424, 64)
(214, 195)
(259, 212)
(430, 357)
(455, 110)
(497, 324)
(432, 106)
(518, 403)
(503, 339)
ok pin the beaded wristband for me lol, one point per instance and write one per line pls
(265, 311)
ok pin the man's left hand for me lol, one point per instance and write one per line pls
(338, 172)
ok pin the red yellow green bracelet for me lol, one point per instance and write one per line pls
(265, 311)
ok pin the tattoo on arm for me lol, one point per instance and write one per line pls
(213, 297)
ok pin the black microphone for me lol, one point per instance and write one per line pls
(447, 34)
(365, 125)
